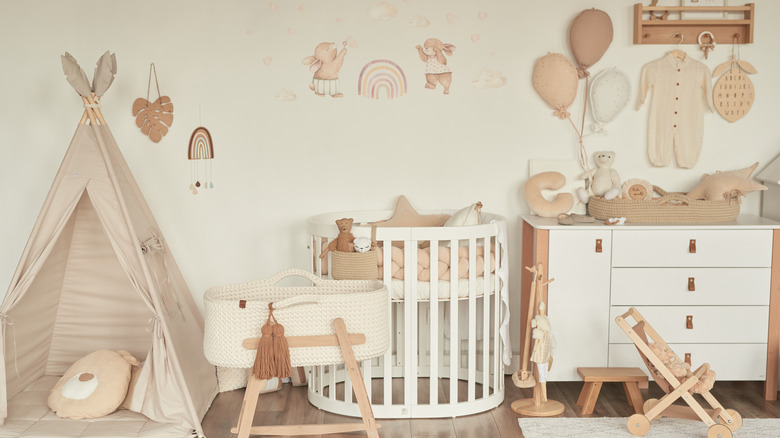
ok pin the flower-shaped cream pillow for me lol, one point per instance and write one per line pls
(94, 386)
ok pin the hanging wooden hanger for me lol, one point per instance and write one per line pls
(677, 53)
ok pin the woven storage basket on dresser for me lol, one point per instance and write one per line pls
(236, 312)
(670, 208)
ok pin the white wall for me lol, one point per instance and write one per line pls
(281, 162)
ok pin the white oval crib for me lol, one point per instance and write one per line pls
(446, 355)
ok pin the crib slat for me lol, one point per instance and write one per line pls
(410, 326)
(332, 382)
(486, 317)
(387, 372)
(347, 389)
(498, 380)
(434, 325)
(366, 370)
(454, 337)
(472, 338)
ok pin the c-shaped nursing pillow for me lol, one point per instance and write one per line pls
(547, 181)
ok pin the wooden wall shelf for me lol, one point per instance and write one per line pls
(659, 31)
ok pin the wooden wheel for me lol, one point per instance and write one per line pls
(719, 431)
(639, 425)
(649, 403)
(736, 417)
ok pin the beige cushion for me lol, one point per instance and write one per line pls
(406, 216)
(94, 386)
(465, 216)
(724, 185)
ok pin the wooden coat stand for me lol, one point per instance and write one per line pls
(538, 405)
(345, 341)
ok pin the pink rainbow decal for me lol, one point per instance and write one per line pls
(201, 147)
(382, 75)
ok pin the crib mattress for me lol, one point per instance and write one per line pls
(443, 287)
(29, 416)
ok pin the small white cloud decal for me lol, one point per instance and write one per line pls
(419, 21)
(285, 95)
(382, 11)
(488, 78)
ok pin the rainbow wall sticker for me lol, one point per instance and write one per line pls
(200, 153)
(382, 78)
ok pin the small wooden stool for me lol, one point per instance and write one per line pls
(594, 377)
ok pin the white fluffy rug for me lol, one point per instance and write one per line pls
(616, 427)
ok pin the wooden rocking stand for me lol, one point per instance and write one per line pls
(345, 341)
(539, 405)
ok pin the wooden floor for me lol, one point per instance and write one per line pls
(290, 406)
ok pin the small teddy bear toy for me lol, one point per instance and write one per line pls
(606, 181)
(344, 241)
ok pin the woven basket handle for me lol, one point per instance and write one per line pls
(666, 197)
(298, 299)
(290, 273)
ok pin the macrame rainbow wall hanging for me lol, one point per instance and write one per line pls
(200, 153)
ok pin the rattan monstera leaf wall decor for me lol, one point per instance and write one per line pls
(154, 118)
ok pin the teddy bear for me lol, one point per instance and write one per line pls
(605, 180)
(344, 241)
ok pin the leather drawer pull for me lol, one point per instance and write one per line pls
(598, 245)
(688, 358)
(689, 322)
(691, 284)
(692, 246)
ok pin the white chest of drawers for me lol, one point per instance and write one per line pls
(711, 291)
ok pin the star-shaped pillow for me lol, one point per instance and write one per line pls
(725, 185)
(406, 216)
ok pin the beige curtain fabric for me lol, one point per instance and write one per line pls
(97, 273)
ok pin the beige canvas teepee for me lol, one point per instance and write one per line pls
(97, 274)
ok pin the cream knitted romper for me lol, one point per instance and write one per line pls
(682, 92)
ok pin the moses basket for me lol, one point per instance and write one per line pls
(236, 312)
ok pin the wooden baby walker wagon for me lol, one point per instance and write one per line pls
(677, 381)
(331, 322)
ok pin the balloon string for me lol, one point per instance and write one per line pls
(583, 153)
(584, 108)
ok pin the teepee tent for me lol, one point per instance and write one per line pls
(97, 274)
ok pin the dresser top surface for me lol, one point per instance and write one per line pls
(742, 222)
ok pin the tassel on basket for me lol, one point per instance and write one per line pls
(273, 352)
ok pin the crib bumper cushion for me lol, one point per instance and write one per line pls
(444, 261)
(236, 312)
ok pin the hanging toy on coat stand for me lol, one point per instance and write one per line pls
(539, 327)
(200, 153)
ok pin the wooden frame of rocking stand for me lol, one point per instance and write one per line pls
(345, 341)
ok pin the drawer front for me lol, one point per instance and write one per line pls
(691, 248)
(729, 361)
(578, 300)
(710, 324)
(690, 286)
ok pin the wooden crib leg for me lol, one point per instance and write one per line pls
(357, 379)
